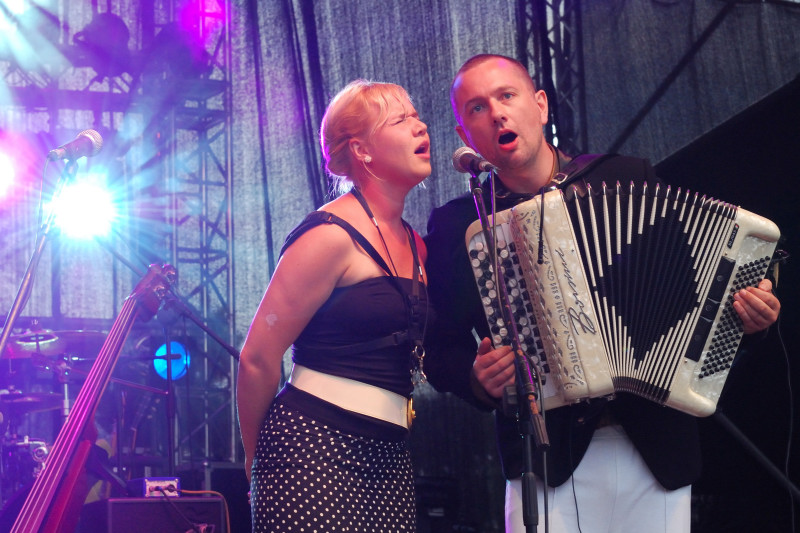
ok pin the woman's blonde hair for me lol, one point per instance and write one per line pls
(350, 114)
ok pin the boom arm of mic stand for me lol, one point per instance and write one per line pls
(24, 291)
(531, 422)
(184, 309)
(174, 299)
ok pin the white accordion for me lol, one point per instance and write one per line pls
(624, 290)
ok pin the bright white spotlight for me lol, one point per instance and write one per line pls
(6, 175)
(17, 7)
(85, 210)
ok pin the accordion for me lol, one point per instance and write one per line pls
(624, 289)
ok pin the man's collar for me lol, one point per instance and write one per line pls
(501, 191)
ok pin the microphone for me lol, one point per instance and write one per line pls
(87, 143)
(467, 161)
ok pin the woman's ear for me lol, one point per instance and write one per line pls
(359, 150)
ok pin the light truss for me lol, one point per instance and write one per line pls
(550, 45)
(196, 138)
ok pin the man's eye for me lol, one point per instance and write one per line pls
(477, 108)
(506, 96)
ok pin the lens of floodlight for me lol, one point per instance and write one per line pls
(179, 357)
(84, 210)
(6, 175)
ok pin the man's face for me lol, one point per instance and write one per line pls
(500, 114)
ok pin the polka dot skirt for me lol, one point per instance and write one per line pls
(308, 476)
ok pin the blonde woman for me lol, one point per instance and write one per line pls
(329, 452)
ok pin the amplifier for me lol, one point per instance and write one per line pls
(226, 478)
(154, 515)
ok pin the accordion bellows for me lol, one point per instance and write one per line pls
(624, 289)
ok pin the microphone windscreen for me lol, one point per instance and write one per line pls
(458, 156)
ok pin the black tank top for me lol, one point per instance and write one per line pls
(361, 331)
(368, 310)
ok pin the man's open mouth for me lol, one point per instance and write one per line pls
(507, 137)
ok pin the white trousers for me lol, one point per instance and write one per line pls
(611, 491)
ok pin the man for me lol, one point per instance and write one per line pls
(620, 465)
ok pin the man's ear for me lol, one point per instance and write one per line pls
(541, 103)
(463, 135)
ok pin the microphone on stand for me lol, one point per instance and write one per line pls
(466, 160)
(87, 143)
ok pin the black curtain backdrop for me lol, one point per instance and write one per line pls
(753, 160)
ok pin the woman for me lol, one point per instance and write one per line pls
(329, 453)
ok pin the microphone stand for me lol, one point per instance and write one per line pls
(758, 455)
(24, 291)
(531, 421)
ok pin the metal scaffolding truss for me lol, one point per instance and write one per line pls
(179, 177)
(194, 139)
(550, 45)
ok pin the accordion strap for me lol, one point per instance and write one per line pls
(577, 167)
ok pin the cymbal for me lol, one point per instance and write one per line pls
(54, 343)
(32, 402)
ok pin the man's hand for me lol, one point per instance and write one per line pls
(494, 369)
(757, 306)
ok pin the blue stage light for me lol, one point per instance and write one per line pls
(180, 360)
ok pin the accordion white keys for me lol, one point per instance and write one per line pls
(624, 289)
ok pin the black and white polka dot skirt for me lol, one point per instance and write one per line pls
(321, 468)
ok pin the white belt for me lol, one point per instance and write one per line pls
(354, 395)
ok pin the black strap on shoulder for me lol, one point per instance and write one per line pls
(323, 217)
(569, 175)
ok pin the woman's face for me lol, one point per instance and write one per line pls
(400, 146)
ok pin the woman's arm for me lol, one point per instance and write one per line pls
(302, 282)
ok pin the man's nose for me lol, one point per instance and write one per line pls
(497, 112)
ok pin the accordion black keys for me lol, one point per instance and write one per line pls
(624, 289)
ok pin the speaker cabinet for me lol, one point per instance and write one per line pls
(154, 515)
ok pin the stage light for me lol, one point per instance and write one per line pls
(176, 56)
(18, 155)
(103, 46)
(14, 7)
(180, 360)
(6, 175)
(85, 209)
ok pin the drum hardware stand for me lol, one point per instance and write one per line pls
(167, 318)
(26, 285)
(531, 420)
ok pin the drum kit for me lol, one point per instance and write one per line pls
(36, 370)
